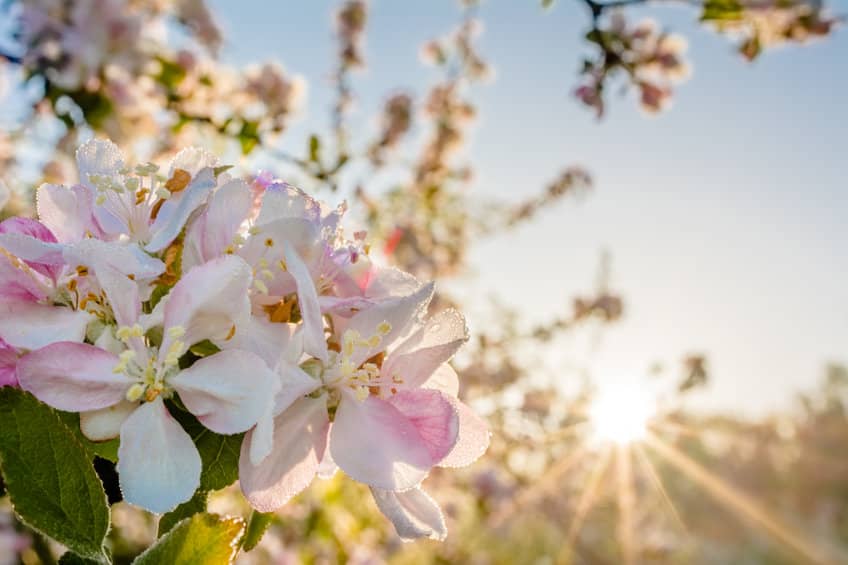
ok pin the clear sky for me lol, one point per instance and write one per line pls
(727, 216)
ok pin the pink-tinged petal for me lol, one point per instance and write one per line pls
(8, 364)
(413, 512)
(30, 326)
(214, 229)
(209, 300)
(376, 444)
(127, 258)
(16, 284)
(300, 438)
(105, 424)
(473, 439)
(158, 464)
(400, 313)
(433, 415)
(175, 212)
(67, 212)
(33, 251)
(423, 352)
(262, 435)
(226, 391)
(345, 307)
(40, 232)
(445, 379)
(73, 376)
(294, 384)
(314, 341)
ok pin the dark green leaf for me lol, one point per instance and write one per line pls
(203, 539)
(196, 505)
(204, 348)
(256, 527)
(105, 449)
(49, 475)
(71, 558)
(219, 453)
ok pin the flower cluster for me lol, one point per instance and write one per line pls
(141, 294)
(653, 62)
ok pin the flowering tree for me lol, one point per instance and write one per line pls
(194, 325)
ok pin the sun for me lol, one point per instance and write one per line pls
(620, 414)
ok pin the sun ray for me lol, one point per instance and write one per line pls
(587, 498)
(738, 502)
(531, 493)
(648, 468)
(626, 496)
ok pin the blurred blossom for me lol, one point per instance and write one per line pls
(396, 121)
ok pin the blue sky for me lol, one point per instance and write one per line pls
(726, 216)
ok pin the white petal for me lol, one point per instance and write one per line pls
(176, 210)
(122, 294)
(209, 235)
(158, 464)
(209, 300)
(314, 341)
(300, 438)
(227, 391)
(30, 326)
(445, 379)
(400, 313)
(104, 424)
(65, 211)
(192, 160)
(414, 513)
(423, 352)
(375, 444)
(128, 259)
(282, 200)
(472, 441)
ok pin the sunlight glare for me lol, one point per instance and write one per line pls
(620, 414)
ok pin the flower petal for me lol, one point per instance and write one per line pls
(423, 352)
(281, 200)
(414, 513)
(127, 259)
(209, 235)
(209, 300)
(226, 391)
(314, 341)
(472, 441)
(73, 376)
(445, 379)
(433, 415)
(39, 232)
(105, 424)
(376, 444)
(158, 464)
(8, 364)
(67, 212)
(301, 436)
(30, 326)
(400, 313)
(176, 210)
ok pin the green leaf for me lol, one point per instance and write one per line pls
(722, 11)
(71, 558)
(203, 539)
(256, 527)
(219, 453)
(195, 505)
(49, 476)
(222, 169)
(105, 449)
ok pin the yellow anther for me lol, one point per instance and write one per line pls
(361, 393)
(282, 266)
(260, 286)
(127, 356)
(101, 198)
(82, 270)
(253, 230)
(269, 242)
(163, 193)
(263, 263)
(267, 274)
(373, 341)
(176, 332)
(229, 250)
(384, 328)
(135, 392)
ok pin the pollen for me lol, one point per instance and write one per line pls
(260, 286)
(384, 328)
(176, 332)
(135, 392)
(126, 332)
